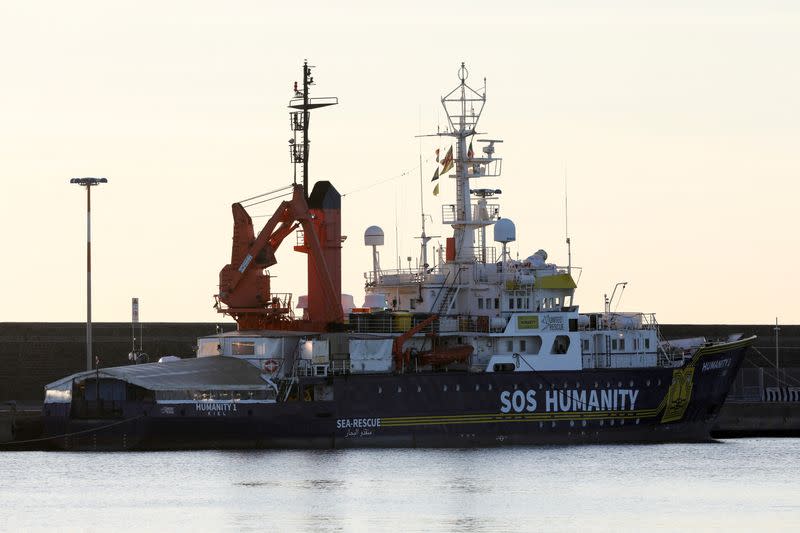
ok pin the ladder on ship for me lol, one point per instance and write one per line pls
(448, 298)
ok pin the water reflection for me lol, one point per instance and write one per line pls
(742, 484)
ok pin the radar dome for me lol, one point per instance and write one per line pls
(505, 231)
(373, 236)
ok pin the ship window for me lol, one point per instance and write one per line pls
(509, 346)
(536, 344)
(497, 303)
(527, 303)
(613, 344)
(635, 344)
(480, 303)
(243, 348)
(504, 367)
(412, 303)
(647, 344)
(560, 344)
(511, 303)
(622, 344)
(585, 343)
(519, 303)
(522, 345)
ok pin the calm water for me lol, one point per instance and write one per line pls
(732, 485)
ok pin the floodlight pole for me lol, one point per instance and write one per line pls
(88, 183)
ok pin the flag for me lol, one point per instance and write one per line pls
(435, 175)
(436, 190)
(447, 162)
(437, 155)
(470, 153)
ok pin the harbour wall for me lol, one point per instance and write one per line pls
(33, 354)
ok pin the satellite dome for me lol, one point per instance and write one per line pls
(373, 236)
(505, 231)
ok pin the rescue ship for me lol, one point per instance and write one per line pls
(469, 348)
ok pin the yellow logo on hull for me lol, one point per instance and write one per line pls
(679, 394)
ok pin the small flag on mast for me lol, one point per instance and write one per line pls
(435, 175)
(447, 162)
(437, 155)
(470, 153)
(436, 190)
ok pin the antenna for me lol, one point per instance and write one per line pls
(566, 223)
(299, 122)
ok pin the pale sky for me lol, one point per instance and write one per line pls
(678, 123)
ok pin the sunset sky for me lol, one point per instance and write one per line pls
(678, 124)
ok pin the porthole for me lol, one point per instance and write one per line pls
(612, 422)
(419, 389)
(608, 384)
(553, 423)
(622, 422)
(619, 384)
(399, 389)
(541, 424)
(444, 388)
(630, 383)
(380, 390)
(490, 386)
(637, 421)
(647, 382)
(571, 423)
(583, 423)
(602, 422)
(458, 388)
(596, 385)
(477, 387)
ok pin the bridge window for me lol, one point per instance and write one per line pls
(480, 303)
(647, 344)
(511, 303)
(622, 345)
(560, 344)
(243, 348)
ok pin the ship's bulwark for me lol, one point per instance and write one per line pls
(435, 410)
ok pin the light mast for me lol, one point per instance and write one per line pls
(463, 107)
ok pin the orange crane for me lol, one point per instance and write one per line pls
(436, 356)
(244, 288)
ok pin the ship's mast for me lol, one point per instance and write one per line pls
(299, 121)
(463, 107)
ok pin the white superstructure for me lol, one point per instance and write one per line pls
(516, 314)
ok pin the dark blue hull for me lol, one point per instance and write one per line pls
(439, 409)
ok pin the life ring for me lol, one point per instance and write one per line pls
(271, 366)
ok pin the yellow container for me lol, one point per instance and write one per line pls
(401, 321)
